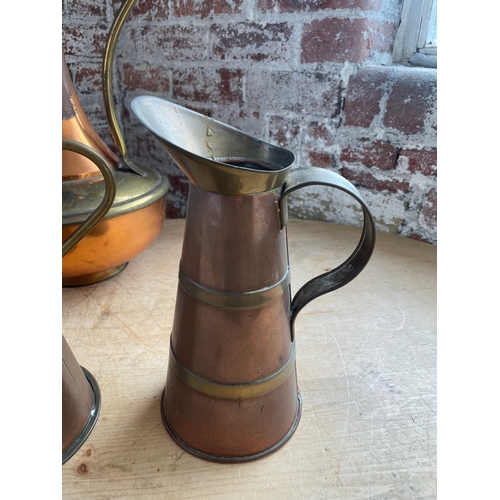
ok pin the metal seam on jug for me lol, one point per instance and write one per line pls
(228, 300)
(233, 391)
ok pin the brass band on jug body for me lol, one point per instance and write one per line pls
(231, 393)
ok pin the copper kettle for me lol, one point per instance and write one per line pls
(231, 392)
(138, 213)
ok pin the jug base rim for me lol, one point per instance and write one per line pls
(94, 415)
(230, 459)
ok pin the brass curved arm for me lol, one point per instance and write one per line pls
(106, 203)
(107, 81)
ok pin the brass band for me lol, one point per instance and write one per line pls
(233, 391)
(227, 300)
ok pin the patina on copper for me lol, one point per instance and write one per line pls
(231, 392)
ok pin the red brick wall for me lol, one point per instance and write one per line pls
(315, 76)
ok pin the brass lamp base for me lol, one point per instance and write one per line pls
(92, 278)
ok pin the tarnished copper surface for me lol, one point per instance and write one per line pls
(77, 398)
(232, 244)
(229, 428)
(76, 126)
(113, 241)
(231, 332)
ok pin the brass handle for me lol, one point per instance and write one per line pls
(109, 195)
(348, 270)
(107, 73)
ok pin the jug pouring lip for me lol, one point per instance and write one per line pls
(214, 156)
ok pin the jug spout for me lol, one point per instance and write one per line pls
(214, 156)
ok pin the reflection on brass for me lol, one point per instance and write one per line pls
(246, 300)
(253, 389)
(137, 215)
(230, 394)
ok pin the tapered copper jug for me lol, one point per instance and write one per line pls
(231, 393)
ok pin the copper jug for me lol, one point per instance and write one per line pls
(81, 396)
(231, 392)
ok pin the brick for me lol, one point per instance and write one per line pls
(379, 154)
(220, 86)
(362, 99)
(244, 119)
(258, 42)
(340, 40)
(93, 106)
(300, 92)
(142, 146)
(82, 41)
(284, 132)
(87, 77)
(318, 136)
(422, 161)
(203, 9)
(147, 77)
(86, 9)
(317, 5)
(179, 183)
(322, 159)
(429, 208)
(412, 98)
(146, 10)
(368, 180)
(175, 43)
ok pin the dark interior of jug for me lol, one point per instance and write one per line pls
(250, 163)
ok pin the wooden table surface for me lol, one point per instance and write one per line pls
(366, 367)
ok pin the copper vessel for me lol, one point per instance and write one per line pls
(137, 216)
(231, 392)
(81, 396)
(81, 403)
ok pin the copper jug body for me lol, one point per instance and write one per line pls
(231, 392)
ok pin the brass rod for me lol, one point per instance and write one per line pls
(107, 80)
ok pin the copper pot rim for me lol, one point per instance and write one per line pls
(133, 193)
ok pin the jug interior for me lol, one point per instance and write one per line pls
(249, 163)
(208, 138)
